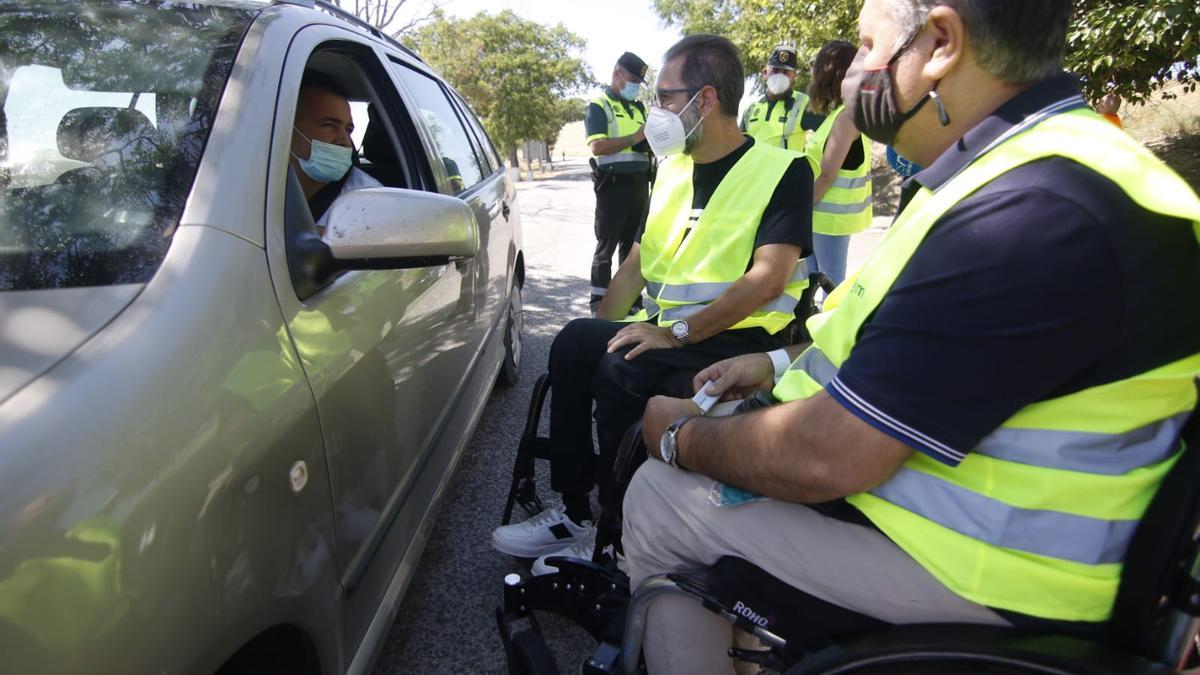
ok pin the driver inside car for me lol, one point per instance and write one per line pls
(322, 153)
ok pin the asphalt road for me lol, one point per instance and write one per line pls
(446, 623)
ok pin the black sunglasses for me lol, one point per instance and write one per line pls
(659, 94)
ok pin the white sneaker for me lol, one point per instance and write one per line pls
(581, 549)
(548, 531)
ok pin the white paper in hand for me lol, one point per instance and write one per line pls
(705, 400)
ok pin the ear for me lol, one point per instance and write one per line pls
(708, 100)
(766, 72)
(947, 39)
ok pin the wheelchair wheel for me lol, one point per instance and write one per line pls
(934, 661)
(529, 655)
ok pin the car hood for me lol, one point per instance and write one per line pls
(40, 328)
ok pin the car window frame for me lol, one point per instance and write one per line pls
(485, 141)
(467, 120)
(433, 150)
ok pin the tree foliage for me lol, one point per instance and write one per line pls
(756, 26)
(1130, 47)
(1116, 45)
(518, 75)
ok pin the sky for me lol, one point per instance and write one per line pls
(609, 26)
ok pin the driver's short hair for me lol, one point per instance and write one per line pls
(315, 79)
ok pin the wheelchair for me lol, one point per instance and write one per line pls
(1154, 628)
(523, 488)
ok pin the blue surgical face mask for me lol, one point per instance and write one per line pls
(630, 91)
(326, 162)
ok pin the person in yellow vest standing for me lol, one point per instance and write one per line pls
(841, 158)
(989, 405)
(781, 117)
(615, 124)
(720, 259)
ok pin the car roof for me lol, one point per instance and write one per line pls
(332, 10)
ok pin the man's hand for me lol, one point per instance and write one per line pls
(738, 377)
(660, 412)
(645, 336)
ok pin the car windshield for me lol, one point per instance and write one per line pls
(105, 111)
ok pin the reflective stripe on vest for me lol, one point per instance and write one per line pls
(707, 292)
(618, 126)
(779, 131)
(690, 257)
(847, 207)
(1038, 517)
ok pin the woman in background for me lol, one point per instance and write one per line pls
(841, 159)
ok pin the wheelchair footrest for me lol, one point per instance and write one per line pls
(592, 596)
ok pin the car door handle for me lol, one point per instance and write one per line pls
(505, 210)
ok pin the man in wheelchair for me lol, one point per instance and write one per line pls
(987, 409)
(721, 260)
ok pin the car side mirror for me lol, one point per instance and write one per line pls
(394, 228)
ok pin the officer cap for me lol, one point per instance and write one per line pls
(784, 56)
(635, 65)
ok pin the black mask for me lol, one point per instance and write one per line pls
(871, 96)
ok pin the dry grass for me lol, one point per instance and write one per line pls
(1171, 128)
(1158, 119)
(572, 142)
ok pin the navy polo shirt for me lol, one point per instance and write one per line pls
(1045, 282)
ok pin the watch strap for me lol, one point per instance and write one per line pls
(673, 430)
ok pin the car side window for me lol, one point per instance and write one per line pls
(487, 159)
(449, 135)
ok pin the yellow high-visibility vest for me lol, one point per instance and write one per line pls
(846, 207)
(691, 257)
(621, 122)
(782, 127)
(1038, 517)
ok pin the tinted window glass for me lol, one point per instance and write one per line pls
(453, 144)
(489, 149)
(468, 120)
(105, 112)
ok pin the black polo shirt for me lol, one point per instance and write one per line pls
(1047, 281)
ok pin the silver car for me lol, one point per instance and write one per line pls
(224, 438)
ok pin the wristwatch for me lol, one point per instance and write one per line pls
(680, 331)
(668, 447)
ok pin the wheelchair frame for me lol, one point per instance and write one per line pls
(1154, 629)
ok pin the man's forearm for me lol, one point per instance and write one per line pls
(624, 288)
(807, 451)
(622, 291)
(609, 146)
(745, 296)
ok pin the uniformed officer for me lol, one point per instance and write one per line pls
(781, 118)
(620, 167)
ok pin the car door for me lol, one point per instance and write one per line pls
(386, 352)
(499, 193)
(471, 178)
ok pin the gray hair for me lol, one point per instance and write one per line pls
(1018, 41)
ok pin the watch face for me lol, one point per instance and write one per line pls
(679, 328)
(664, 446)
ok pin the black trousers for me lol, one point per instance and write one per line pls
(582, 371)
(622, 200)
